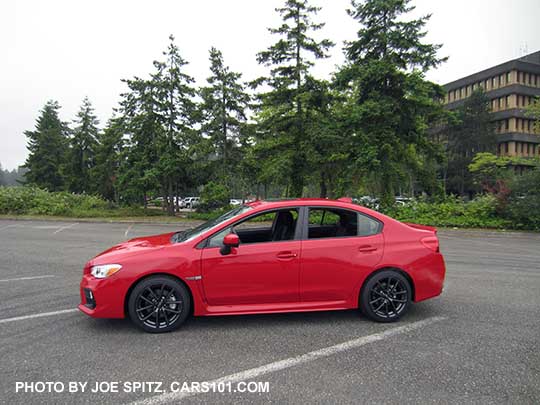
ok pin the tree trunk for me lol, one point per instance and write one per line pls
(170, 202)
(324, 190)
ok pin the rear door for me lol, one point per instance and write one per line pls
(340, 247)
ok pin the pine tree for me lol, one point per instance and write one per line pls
(47, 146)
(82, 151)
(158, 115)
(104, 174)
(223, 111)
(391, 104)
(283, 115)
(139, 121)
(471, 131)
(176, 111)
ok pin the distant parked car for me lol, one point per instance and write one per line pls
(235, 201)
(190, 202)
(368, 201)
(400, 200)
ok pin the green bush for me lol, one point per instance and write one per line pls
(29, 200)
(523, 207)
(214, 196)
(453, 212)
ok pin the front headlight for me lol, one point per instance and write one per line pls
(105, 270)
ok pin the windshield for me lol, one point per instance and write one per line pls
(192, 233)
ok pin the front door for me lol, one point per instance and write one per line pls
(264, 269)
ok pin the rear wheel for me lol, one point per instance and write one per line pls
(386, 296)
(159, 304)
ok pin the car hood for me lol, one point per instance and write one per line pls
(133, 247)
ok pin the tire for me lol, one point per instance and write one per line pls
(386, 296)
(159, 304)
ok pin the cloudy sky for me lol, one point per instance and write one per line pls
(68, 49)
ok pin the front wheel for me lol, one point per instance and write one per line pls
(159, 304)
(386, 296)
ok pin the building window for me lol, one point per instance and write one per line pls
(466, 88)
(519, 77)
(506, 147)
(507, 102)
(507, 77)
(507, 124)
(492, 82)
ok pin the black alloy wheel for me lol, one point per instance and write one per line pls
(386, 296)
(159, 304)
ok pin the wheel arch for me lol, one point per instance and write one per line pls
(146, 276)
(396, 269)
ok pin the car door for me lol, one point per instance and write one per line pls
(339, 248)
(263, 269)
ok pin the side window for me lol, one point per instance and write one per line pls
(217, 239)
(337, 223)
(269, 226)
(368, 226)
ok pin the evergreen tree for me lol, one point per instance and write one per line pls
(391, 103)
(137, 170)
(47, 146)
(469, 132)
(82, 151)
(158, 115)
(224, 102)
(176, 112)
(104, 174)
(283, 118)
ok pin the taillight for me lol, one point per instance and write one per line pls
(431, 242)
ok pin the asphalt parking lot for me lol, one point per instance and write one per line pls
(477, 343)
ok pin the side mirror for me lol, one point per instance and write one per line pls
(229, 241)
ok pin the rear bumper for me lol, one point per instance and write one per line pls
(429, 278)
(102, 298)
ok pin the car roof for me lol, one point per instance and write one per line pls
(319, 202)
(302, 202)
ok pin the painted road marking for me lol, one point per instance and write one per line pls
(127, 230)
(40, 315)
(25, 278)
(8, 226)
(252, 373)
(64, 228)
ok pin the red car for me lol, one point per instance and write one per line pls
(267, 257)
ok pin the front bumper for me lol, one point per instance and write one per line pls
(102, 298)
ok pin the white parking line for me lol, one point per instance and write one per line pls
(25, 278)
(39, 315)
(252, 373)
(8, 226)
(65, 227)
(127, 230)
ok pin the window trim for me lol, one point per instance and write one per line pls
(305, 227)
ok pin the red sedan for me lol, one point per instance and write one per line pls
(267, 257)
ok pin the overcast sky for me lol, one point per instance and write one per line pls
(68, 49)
